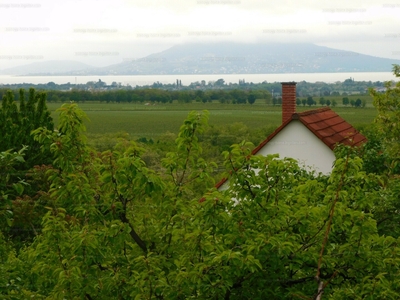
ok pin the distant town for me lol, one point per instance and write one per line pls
(346, 87)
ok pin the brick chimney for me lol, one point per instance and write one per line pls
(288, 100)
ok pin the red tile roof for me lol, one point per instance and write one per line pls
(327, 125)
(330, 128)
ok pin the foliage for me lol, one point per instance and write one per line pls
(9, 189)
(115, 229)
(310, 101)
(10, 266)
(159, 95)
(16, 125)
(376, 159)
(388, 106)
(312, 229)
(251, 98)
(20, 154)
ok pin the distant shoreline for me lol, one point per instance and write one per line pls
(141, 80)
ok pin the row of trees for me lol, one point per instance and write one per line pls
(322, 101)
(155, 96)
(354, 103)
(164, 96)
(310, 101)
(105, 226)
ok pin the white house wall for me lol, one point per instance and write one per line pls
(296, 141)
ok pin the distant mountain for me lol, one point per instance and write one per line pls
(235, 58)
(51, 67)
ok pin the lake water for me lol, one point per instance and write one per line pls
(134, 80)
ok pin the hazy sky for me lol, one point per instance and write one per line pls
(102, 32)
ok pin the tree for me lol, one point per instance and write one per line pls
(310, 101)
(322, 101)
(184, 97)
(364, 103)
(267, 96)
(325, 91)
(9, 189)
(352, 102)
(381, 151)
(238, 95)
(334, 103)
(328, 102)
(199, 95)
(16, 125)
(220, 82)
(345, 101)
(9, 268)
(304, 102)
(251, 98)
(358, 102)
(298, 102)
(388, 106)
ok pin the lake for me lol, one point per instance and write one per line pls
(140, 80)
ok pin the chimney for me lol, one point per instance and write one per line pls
(288, 100)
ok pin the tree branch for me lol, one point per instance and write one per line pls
(133, 233)
(331, 213)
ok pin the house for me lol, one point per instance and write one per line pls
(309, 136)
(380, 89)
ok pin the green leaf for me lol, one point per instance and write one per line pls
(19, 188)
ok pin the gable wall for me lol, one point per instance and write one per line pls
(297, 141)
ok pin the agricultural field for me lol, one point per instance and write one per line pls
(151, 121)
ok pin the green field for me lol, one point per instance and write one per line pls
(153, 121)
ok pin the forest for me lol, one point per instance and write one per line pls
(82, 223)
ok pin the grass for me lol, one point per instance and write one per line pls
(153, 121)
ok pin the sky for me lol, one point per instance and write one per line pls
(104, 32)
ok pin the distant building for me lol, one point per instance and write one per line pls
(380, 89)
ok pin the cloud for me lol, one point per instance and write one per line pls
(58, 29)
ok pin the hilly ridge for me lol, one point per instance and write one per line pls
(50, 67)
(240, 58)
(235, 58)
